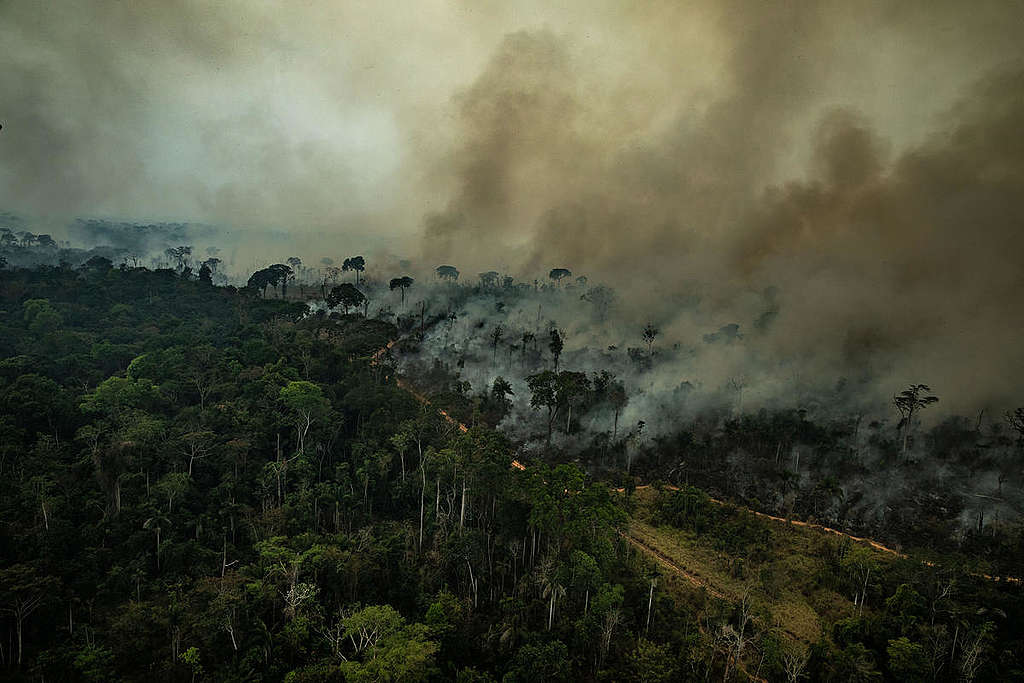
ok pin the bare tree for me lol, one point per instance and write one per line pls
(495, 340)
(1015, 420)
(197, 446)
(974, 652)
(794, 662)
(23, 591)
(650, 332)
(737, 385)
(736, 637)
(612, 619)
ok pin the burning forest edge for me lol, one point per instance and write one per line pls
(148, 436)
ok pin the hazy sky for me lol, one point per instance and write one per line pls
(354, 115)
(867, 158)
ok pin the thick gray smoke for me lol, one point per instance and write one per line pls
(892, 258)
(847, 174)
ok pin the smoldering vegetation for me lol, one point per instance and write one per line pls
(898, 262)
(858, 165)
(551, 364)
(815, 205)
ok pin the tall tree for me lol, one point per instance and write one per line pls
(573, 387)
(271, 276)
(909, 402)
(179, 255)
(206, 274)
(449, 273)
(544, 394)
(559, 274)
(307, 403)
(402, 283)
(345, 295)
(495, 340)
(22, 591)
(528, 338)
(555, 345)
(650, 333)
(357, 264)
(501, 390)
(1015, 420)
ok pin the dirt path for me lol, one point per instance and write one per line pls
(665, 561)
(810, 525)
(829, 530)
(402, 384)
(694, 579)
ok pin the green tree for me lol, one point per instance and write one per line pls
(540, 663)
(544, 394)
(653, 663)
(907, 660)
(385, 648)
(346, 296)
(116, 395)
(41, 316)
(906, 605)
(501, 389)
(307, 403)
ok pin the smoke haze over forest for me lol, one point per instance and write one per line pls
(853, 170)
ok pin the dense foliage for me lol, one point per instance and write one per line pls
(202, 483)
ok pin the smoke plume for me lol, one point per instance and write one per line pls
(844, 181)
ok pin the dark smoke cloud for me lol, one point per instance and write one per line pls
(864, 159)
(895, 260)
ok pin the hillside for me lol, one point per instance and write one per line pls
(199, 483)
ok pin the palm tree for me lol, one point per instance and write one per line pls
(552, 589)
(513, 627)
(555, 591)
(156, 523)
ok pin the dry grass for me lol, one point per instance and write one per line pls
(797, 606)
